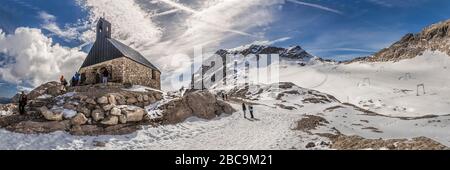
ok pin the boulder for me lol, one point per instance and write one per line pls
(134, 115)
(201, 104)
(91, 101)
(97, 115)
(49, 115)
(54, 90)
(110, 120)
(108, 107)
(145, 97)
(140, 98)
(122, 119)
(158, 96)
(121, 101)
(115, 111)
(225, 107)
(84, 110)
(79, 119)
(151, 99)
(30, 127)
(112, 100)
(132, 100)
(69, 106)
(102, 100)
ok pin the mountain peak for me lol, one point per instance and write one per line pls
(435, 37)
(293, 52)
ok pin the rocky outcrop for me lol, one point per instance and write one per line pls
(96, 107)
(202, 104)
(435, 38)
(97, 110)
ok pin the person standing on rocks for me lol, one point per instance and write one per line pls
(77, 78)
(63, 83)
(250, 108)
(105, 75)
(244, 109)
(22, 102)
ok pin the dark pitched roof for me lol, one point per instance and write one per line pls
(131, 53)
(112, 49)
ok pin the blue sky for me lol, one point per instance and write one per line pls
(336, 29)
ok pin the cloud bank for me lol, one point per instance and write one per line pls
(32, 58)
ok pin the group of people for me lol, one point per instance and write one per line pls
(224, 96)
(250, 109)
(75, 79)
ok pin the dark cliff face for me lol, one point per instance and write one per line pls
(435, 38)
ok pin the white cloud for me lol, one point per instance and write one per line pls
(130, 23)
(200, 23)
(316, 6)
(69, 33)
(35, 58)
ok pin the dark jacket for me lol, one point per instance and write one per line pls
(23, 99)
(243, 106)
(105, 73)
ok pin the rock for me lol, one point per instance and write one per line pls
(202, 104)
(158, 96)
(145, 97)
(140, 98)
(310, 145)
(131, 100)
(80, 97)
(68, 114)
(134, 115)
(225, 108)
(97, 115)
(86, 130)
(121, 101)
(115, 111)
(151, 99)
(49, 115)
(110, 120)
(108, 107)
(112, 99)
(197, 102)
(102, 100)
(40, 127)
(79, 119)
(54, 90)
(69, 106)
(122, 119)
(91, 101)
(84, 110)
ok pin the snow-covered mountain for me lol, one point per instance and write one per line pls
(294, 52)
(433, 38)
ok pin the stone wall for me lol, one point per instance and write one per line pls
(115, 68)
(124, 70)
(135, 73)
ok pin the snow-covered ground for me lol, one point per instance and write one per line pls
(386, 88)
(273, 127)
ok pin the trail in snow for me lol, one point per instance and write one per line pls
(271, 131)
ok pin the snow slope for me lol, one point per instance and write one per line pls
(386, 88)
(273, 127)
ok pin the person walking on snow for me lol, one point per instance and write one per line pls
(22, 102)
(244, 109)
(105, 75)
(250, 108)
